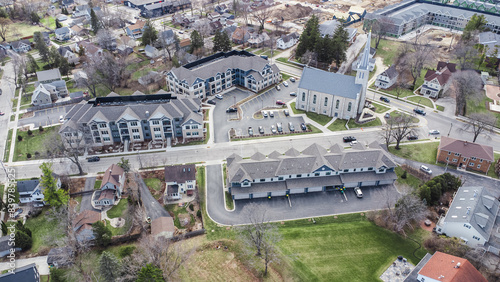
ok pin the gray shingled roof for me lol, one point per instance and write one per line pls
(27, 186)
(391, 72)
(329, 83)
(48, 75)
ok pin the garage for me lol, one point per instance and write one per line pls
(368, 183)
(297, 190)
(387, 181)
(350, 184)
(278, 193)
(260, 195)
(315, 189)
(241, 196)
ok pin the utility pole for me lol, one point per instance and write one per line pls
(451, 125)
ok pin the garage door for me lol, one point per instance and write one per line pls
(296, 190)
(278, 193)
(351, 184)
(260, 195)
(388, 181)
(315, 189)
(241, 196)
(368, 183)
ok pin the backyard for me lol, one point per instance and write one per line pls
(179, 212)
(32, 144)
(22, 29)
(119, 210)
(410, 180)
(43, 231)
(387, 49)
(423, 152)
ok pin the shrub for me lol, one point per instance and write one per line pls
(404, 175)
(19, 138)
(30, 132)
(191, 207)
(28, 155)
(40, 128)
(23, 240)
(497, 167)
(433, 189)
(126, 251)
(198, 213)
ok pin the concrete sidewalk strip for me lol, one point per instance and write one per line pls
(41, 264)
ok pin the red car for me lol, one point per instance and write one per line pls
(2, 113)
(279, 102)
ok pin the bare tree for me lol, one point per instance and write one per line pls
(401, 127)
(465, 53)
(91, 79)
(203, 27)
(110, 71)
(260, 236)
(415, 57)
(386, 132)
(480, 123)
(244, 9)
(261, 16)
(5, 25)
(106, 39)
(380, 28)
(18, 64)
(400, 86)
(409, 209)
(467, 87)
(69, 145)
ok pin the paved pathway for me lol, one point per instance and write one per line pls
(41, 264)
(153, 208)
(86, 203)
(14, 130)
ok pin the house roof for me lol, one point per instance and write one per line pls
(239, 33)
(90, 48)
(112, 175)
(86, 217)
(184, 42)
(150, 49)
(474, 205)
(61, 256)
(391, 72)
(329, 83)
(106, 194)
(443, 267)
(27, 186)
(450, 66)
(53, 74)
(466, 149)
(412, 277)
(180, 173)
(27, 273)
(62, 30)
(167, 34)
(17, 44)
(139, 24)
(162, 224)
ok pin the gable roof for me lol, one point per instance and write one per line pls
(112, 175)
(53, 74)
(391, 72)
(27, 186)
(62, 30)
(329, 83)
(443, 72)
(86, 217)
(162, 224)
(466, 149)
(442, 267)
(139, 24)
(17, 44)
(180, 173)
(27, 273)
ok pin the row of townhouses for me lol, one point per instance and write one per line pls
(136, 118)
(222, 71)
(409, 15)
(315, 169)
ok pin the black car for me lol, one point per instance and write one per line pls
(303, 126)
(211, 102)
(347, 139)
(384, 99)
(419, 111)
(292, 79)
(231, 110)
(93, 159)
(412, 137)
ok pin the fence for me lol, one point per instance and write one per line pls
(58, 104)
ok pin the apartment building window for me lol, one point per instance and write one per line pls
(93, 127)
(473, 158)
(299, 175)
(188, 133)
(314, 99)
(316, 174)
(188, 127)
(105, 132)
(457, 154)
(346, 170)
(98, 139)
(102, 125)
(328, 173)
(158, 136)
(195, 134)
(133, 123)
(480, 160)
(465, 159)
(280, 178)
(454, 160)
(471, 164)
(106, 139)
(135, 130)
(156, 129)
(349, 106)
(195, 126)
(449, 153)
(67, 134)
(156, 122)
(478, 166)
(137, 137)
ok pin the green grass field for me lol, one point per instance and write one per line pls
(153, 183)
(379, 108)
(337, 125)
(43, 231)
(480, 107)
(285, 76)
(349, 248)
(31, 144)
(387, 49)
(18, 30)
(7, 145)
(491, 171)
(423, 152)
(422, 100)
(410, 180)
(97, 184)
(118, 210)
(398, 114)
(352, 124)
(321, 119)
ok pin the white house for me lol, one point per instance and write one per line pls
(21, 46)
(111, 187)
(471, 216)
(180, 179)
(492, 42)
(287, 41)
(66, 52)
(436, 82)
(387, 78)
(63, 33)
(31, 191)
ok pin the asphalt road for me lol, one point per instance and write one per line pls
(6, 97)
(300, 206)
(153, 208)
(86, 203)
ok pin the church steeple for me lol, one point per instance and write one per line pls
(363, 72)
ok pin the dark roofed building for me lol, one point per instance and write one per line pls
(387, 78)
(436, 82)
(28, 273)
(5, 247)
(60, 257)
(465, 155)
(180, 179)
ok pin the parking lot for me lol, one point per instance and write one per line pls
(225, 121)
(45, 117)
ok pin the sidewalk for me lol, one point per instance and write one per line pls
(14, 129)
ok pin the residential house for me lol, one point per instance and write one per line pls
(387, 78)
(76, 95)
(21, 46)
(137, 118)
(215, 26)
(184, 176)
(68, 54)
(60, 257)
(46, 37)
(127, 41)
(82, 224)
(48, 76)
(492, 43)
(257, 40)
(225, 71)
(79, 30)
(135, 30)
(49, 84)
(287, 41)
(329, 28)
(229, 30)
(151, 52)
(5, 248)
(163, 227)
(436, 82)
(172, 193)
(167, 36)
(91, 50)
(42, 96)
(152, 77)
(31, 191)
(124, 50)
(27, 273)
(313, 170)
(63, 33)
(465, 155)
(471, 216)
(213, 16)
(111, 187)
(67, 3)
(155, 8)
(240, 35)
(61, 17)
(221, 9)
(227, 16)
(85, 11)
(185, 44)
(445, 268)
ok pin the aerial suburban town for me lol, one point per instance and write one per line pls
(249, 140)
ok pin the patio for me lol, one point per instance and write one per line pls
(398, 271)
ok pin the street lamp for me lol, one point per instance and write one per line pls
(451, 125)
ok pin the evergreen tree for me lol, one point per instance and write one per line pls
(476, 23)
(109, 266)
(58, 24)
(150, 273)
(52, 195)
(324, 49)
(196, 41)
(22, 240)
(64, 66)
(32, 65)
(308, 39)
(340, 45)
(94, 21)
(226, 42)
(149, 34)
(35, 18)
(41, 46)
(217, 41)
(4, 229)
(102, 234)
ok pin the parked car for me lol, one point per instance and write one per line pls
(261, 129)
(271, 114)
(211, 102)
(18, 212)
(278, 88)
(279, 126)
(291, 127)
(286, 112)
(231, 110)
(433, 132)
(2, 113)
(285, 83)
(358, 192)
(353, 143)
(384, 99)
(412, 137)
(93, 159)
(303, 126)
(419, 111)
(387, 115)
(294, 94)
(264, 114)
(273, 129)
(250, 131)
(0, 91)
(61, 119)
(279, 102)
(348, 139)
(218, 96)
(292, 79)
(425, 169)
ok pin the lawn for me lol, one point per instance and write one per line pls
(337, 125)
(387, 49)
(49, 22)
(229, 201)
(120, 230)
(285, 76)
(118, 210)
(31, 144)
(347, 248)
(480, 107)
(7, 145)
(268, 53)
(43, 231)
(392, 91)
(71, 85)
(398, 114)
(97, 184)
(352, 124)
(410, 180)
(176, 210)
(153, 183)
(379, 108)
(423, 152)
(29, 88)
(439, 108)
(421, 101)
(321, 119)
(491, 171)
(21, 30)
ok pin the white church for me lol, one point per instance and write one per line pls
(332, 94)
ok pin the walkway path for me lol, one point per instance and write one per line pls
(41, 264)
(306, 119)
(14, 129)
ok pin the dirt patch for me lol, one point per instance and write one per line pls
(293, 12)
(27, 115)
(76, 185)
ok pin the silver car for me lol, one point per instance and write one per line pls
(273, 129)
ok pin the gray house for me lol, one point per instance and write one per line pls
(151, 52)
(63, 33)
(21, 46)
(387, 78)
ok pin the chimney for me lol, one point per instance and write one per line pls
(458, 265)
(147, 113)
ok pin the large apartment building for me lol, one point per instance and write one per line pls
(137, 118)
(315, 169)
(409, 15)
(222, 71)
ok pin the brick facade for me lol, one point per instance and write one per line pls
(456, 159)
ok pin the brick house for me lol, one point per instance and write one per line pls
(465, 155)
